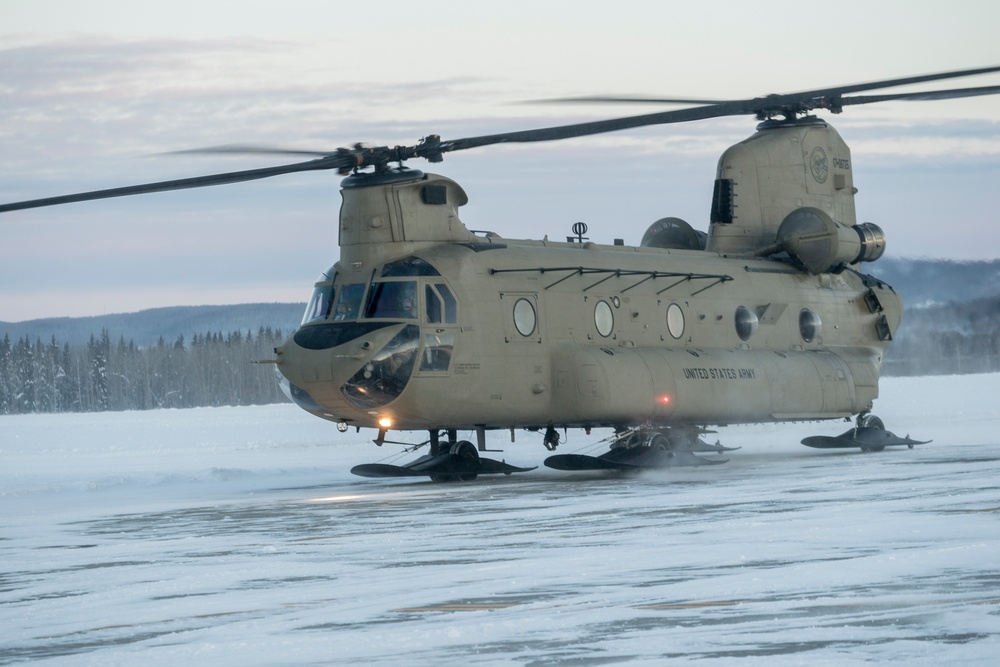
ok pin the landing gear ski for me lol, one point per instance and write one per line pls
(637, 449)
(868, 434)
(448, 461)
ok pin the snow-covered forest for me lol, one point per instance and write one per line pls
(152, 359)
(210, 369)
(947, 339)
(215, 369)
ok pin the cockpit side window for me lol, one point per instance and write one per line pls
(440, 304)
(348, 302)
(319, 305)
(396, 300)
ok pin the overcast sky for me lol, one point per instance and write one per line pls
(90, 92)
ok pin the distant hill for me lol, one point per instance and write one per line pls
(928, 282)
(951, 323)
(146, 327)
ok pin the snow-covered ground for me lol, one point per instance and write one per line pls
(238, 536)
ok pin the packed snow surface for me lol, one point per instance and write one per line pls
(238, 536)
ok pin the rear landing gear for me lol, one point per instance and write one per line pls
(868, 435)
(870, 421)
(634, 449)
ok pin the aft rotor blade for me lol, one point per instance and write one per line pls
(328, 162)
(839, 90)
(596, 127)
(759, 106)
(892, 83)
(432, 148)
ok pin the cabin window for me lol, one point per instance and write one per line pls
(604, 318)
(396, 300)
(524, 317)
(348, 302)
(319, 305)
(675, 320)
(746, 322)
(810, 326)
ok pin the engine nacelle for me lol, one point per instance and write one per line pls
(673, 233)
(819, 242)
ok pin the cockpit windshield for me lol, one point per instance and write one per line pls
(396, 300)
(319, 304)
(348, 302)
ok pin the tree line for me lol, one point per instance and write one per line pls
(211, 369)
(215, 369)
(947, 339)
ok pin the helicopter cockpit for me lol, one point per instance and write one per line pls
(408, 292)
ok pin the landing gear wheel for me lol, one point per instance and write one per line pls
(466, 450)
(659, 443)
(873, 422)
(870, 421)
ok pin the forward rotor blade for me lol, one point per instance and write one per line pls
(954, 93)
(243, 149)
(328, 162)
(432, 148)
(627, 99)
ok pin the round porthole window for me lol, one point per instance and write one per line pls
(524, 317)
(604, 319)
(746, 322)
(810, 326)
(675, 320)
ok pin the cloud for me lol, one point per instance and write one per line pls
(87, 112)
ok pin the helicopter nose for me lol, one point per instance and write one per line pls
(320, 359)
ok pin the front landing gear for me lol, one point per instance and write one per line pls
(449, 461)
(638, 449)
(465, 460)
(868, 434)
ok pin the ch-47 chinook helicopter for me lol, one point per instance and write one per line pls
(425, 325)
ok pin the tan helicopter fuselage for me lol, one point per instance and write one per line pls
(504, 333)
